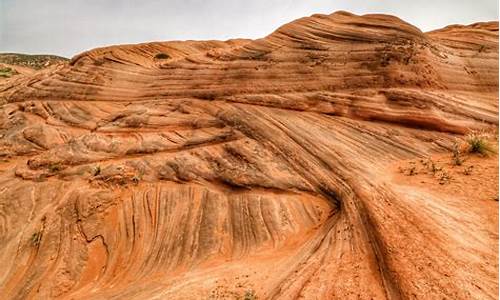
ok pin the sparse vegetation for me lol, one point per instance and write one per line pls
(7, 72)
(432, 166)
(456, 158)
(443, 177)
(249, 295)
(35, 238)
(412, 171)
(36, 62)
(468, 170)
(428, 167)
(479, 144)
(56, 167)
(136, 178)
(96, 170)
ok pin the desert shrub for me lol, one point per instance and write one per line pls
(250, 295)
(55, 167)
(96, 170)
(7, 72)
(35, 238)
(412, 171)
(432, 166)
(457, 160)
(162, 56)
(136, 178)
(443, 177)
(478, 144)
(468, 170)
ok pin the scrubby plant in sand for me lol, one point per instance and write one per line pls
(478, 143)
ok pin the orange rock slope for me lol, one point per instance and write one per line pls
(250, 169)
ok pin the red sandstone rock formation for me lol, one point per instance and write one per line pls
(195, 170)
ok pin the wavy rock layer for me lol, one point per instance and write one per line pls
(194, 170)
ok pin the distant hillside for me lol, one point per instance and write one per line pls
(15, 63)
(36, 62)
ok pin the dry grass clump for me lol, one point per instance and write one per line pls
(478, 143)
(456, 158)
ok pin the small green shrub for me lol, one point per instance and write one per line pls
(7, 72)
(35, 239)
(478, 144)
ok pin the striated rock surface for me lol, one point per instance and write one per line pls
(250, 168)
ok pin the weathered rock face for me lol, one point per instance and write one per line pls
(194, 170)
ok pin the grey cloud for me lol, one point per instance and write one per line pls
(67, 27)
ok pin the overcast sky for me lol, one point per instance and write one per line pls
(67, 27)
